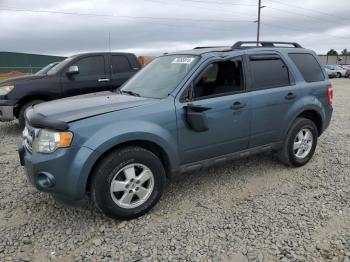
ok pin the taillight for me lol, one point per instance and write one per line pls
(330, 94)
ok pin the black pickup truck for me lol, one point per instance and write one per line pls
(76, 75)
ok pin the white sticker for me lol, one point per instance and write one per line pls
(183, 60)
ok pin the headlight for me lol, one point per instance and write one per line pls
(4, 90)
(48, 141)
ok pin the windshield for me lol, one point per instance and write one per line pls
(159, 78)
(59, 66)
(45, 69)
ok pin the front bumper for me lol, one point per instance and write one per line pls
(6, 113)
(63, 173)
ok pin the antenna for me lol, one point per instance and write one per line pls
(109, 40)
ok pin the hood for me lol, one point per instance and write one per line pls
(19, 79)
(84, 106)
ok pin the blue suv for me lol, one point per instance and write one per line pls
(183, 111)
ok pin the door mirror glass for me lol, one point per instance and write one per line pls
(73, 70)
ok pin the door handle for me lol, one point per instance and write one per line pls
(103, 80)
(238, 105)
(290, 96)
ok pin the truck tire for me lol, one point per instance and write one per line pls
(300, 143)
(127, 183)
(21, 119)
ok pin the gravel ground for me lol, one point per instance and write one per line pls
(253, 209)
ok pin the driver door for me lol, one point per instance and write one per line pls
(222, 110)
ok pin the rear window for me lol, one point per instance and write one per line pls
(308, 67)
(268, 73)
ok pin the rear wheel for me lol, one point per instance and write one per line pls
(338, 75)
(21, 118)
(128, 182)
(300, 143)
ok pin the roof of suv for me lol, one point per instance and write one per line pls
(240, 47)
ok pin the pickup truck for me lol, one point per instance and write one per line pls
(76, 75)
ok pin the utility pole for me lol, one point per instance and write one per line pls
(258, 22)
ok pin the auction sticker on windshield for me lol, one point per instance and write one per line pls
(183, 60)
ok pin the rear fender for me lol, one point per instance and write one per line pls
(304, 104)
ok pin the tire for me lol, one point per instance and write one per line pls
(21, 118)
(116, 169)
(295, 156)
(338, 75)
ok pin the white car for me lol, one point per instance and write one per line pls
(340, 72)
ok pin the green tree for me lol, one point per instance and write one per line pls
(332, 52)
(345, 52)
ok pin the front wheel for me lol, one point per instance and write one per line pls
(338, 75)
(128, 182)
(300, 143)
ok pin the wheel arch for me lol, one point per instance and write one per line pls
(27, 99)
(309, 108)
(315, 117)
(152, 146)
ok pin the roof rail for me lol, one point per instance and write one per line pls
(205, 47)
(240, 44)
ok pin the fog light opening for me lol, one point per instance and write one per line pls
(45, 180)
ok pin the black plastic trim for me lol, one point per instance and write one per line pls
(241, 154)
(240, 44)
(39, 120)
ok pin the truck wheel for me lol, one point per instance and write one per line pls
(127, 183)
(300, 143)
(21, 119)
(338, 75)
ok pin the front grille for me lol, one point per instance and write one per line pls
(29, 134)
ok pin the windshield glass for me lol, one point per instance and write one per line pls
(59, 66)
(159, 78)
(45, 69)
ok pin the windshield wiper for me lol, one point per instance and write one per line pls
(129, 93)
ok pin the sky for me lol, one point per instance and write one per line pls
(152, 27)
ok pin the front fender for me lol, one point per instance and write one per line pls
(126, 131)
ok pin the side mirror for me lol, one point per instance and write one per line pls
(73, 70)
(196, 118)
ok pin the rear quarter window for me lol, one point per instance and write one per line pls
(308, 67)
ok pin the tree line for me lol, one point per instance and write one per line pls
(334, 52)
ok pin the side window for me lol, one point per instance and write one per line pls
(308, 67)
(219, 78)
(120, 64)
(268, 72)
(92, 65)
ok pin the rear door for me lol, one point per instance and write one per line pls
(273, 92)
(92, 76)
(121, 69)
